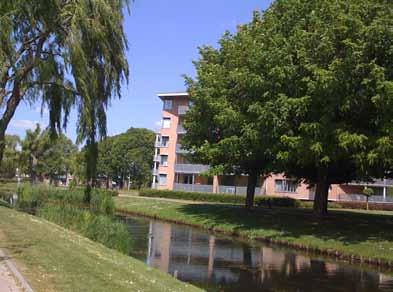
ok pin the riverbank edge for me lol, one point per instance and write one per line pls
(339, 255)
(78, 239)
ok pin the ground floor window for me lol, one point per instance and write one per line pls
(285, 186)
(163, 179)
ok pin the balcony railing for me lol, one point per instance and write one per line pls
(194, 188)
(182, 110)
(180, 150)
(155, 171)
(181, 130)
(191, 168)
(236, 190)
(156, 158)
(161, 145)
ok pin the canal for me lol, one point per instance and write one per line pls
(221, 263)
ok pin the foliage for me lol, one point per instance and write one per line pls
(311, 82)
(127, 156)
(31, 198)
(11, 156)
(221, 125)
(46, 157)
(268, 201)
(63, 54)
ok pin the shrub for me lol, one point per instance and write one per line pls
(32, 197)
(220, 198)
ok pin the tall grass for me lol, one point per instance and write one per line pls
(66, 207)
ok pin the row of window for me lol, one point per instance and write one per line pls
(285, 186)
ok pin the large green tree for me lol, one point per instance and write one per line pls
(312, 82)
(221, 125)
(64, 54)
(332, 67)
(127, 157)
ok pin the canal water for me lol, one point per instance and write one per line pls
(219, 263)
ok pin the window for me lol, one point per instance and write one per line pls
(168, 103)
(166, 123)
(164, 141)
(285, 186)
(163, 179)
(164, 160)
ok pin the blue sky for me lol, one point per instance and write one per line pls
(163, 38)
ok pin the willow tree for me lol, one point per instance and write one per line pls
(63, 54)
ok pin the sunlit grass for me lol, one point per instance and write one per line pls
(55, 259)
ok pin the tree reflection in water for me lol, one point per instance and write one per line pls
(219, 263)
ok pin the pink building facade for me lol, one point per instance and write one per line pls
(172, 170)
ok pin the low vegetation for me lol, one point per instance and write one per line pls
(67, 208)
(355, 235)
(55, 259)
(269, 201)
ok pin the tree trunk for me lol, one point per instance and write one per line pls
(9, 112)
(321, 194)
(251, 185)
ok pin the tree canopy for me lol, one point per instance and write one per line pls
(122, 158)
(63, 54)
(11, 156)
(45, 157)
(312, 81)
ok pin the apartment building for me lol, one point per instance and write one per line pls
(173, 171)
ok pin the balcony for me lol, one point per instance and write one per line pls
(191, 168)
(155, 171)
(182, 110)
(156, 158)
(180, 129)
(161, 145)
(180, 150)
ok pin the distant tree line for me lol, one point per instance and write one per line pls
(124, 159)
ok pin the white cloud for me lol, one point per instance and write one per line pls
(25, 124)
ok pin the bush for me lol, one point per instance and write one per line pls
(32, 197)
(220, 198)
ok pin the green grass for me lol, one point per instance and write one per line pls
(55, 259)
(358, 233)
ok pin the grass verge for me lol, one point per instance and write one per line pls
(356, 236)
(55, 259)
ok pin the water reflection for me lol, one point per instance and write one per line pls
(218, 263)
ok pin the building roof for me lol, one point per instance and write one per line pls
(172, 94)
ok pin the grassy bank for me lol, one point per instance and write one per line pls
(359, 236)
(55, 259)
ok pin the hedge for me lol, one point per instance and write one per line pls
(267, 201)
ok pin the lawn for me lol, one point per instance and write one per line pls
(55, 259)
(353, 234)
